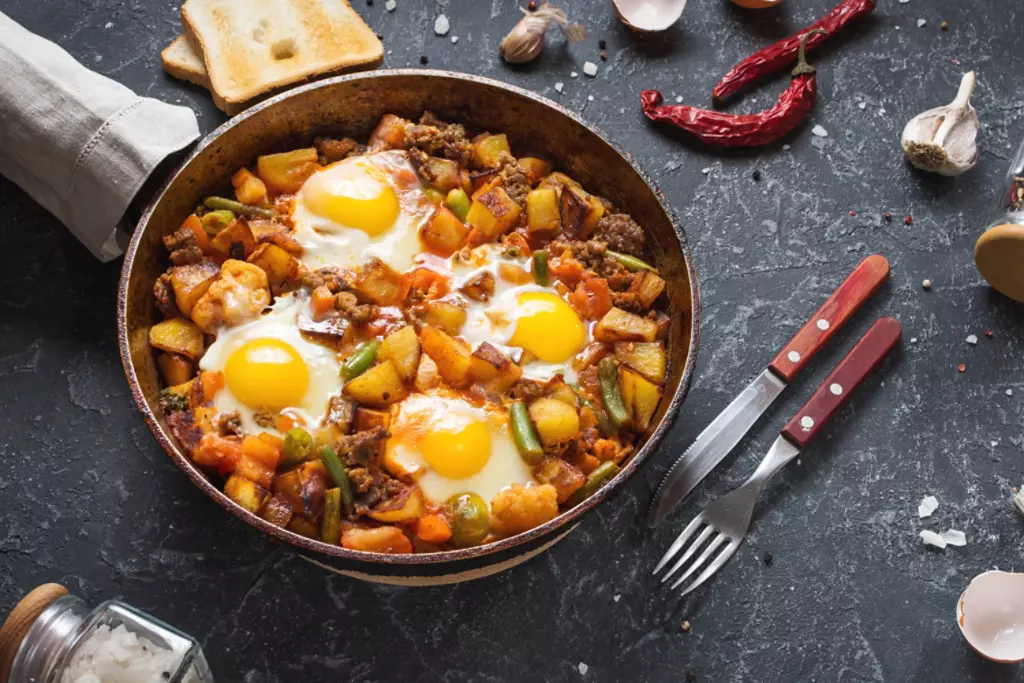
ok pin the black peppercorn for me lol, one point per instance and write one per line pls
(756, 175)
(887, 216)
(768, 558)
(424, 60)
(601, 44)
(691, 677)
(532, 6)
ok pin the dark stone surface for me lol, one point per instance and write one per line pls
(852, 595)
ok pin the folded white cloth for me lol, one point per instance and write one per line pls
(79, 143)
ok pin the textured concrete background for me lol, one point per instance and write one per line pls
(90, 500)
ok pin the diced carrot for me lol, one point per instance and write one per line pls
(518, 240)
(485, 187)
(262, 451)
(322, 302)
(429, 282)
(216, 452)
(275, 441)
(211, 382)
(567, 269)
(592, 298)
(254, 470)
(587, 463)
(196, 226)
(433, 529)
(476, 237)
(284, 422)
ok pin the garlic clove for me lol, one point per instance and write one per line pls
(944, 139)
(648, 16)
(526, 40)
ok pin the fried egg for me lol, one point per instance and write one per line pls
(268, 364)
(449, 446)
(361, 207)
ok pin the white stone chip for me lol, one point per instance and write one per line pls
(954, 537)
(583, 669)
(904, 2)
(928, 505)
(972, 339)
(913, 340)
(819, 131)
(441, 25)
(559, 86)
(390, 5)
(921, 23)
(455, 39)
(590, 69)
(932, 538)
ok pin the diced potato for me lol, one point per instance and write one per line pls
(480, 287)
(303, 489)
(371, 419)
(249, 495)
(254, 471)
(452, 358)
(647, 358)
(277, 511)
(379, 283)
(269, 232)
(511, 273)
(560, 180)
(176, 370)
(493, 213)
(444, 233)
(520, 508)
(426, 374)
(183, 390)
(190, 282)
(534, 168)
(304, 527)
(177, 335)
(378, 386)
(443, 174)
(285, 172)
(618, 325)
(235, 241)
(543, 214)
(383, 539)
(486, 362)
(215, 452)
(580, 212)
(399, 464)
(487, 149)
(446, 315)
(341, 415)
(556, 422)
(277, 263)
(403, 349)
(402, 509)
(648, 286)
(560, 391)
(640, 397)
(558, 473)
(389, 133)
(263, 448)
(248, 188)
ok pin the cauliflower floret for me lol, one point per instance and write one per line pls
(520, 508)
(239, 293)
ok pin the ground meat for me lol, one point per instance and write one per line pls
(332, 149)
(593, 255)
(334, 278)
(264, 418)
(230, 424)
(628, 301)
(513, 180)
(621, 233)
(382, 489)
(163, 293)
(526, 390)
(348, 305)
(184, 247)
(439, 139)
(361, 479)
(184, 428)
(420, 161)
(360, 448)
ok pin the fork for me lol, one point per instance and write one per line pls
(725, 522)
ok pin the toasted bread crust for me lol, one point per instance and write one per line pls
(181, 60)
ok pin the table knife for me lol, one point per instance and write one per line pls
(726, 430)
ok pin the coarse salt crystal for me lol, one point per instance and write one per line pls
(913, 340)
(706, 170)
(441, 25)
(573, 74)
(616, 598)
(390, 5)
(559, 86)
(787, 147)
(862, 105)
(921, 22)
(455, 39)
(1009, 392)
(904, 2)
(929, 504)
(590, 69)
(679, 99)
(1018, 500)
(583, 669)
(819, 131)
(954, 537)
(590, 98)
(972, 339)
(932, 538)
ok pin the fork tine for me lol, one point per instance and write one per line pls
(694, 547)
(712, 547)
(679, 542)
(712, 568)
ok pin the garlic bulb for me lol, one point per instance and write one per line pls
(526, 40)
(943, 140)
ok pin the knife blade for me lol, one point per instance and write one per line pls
(726, 430)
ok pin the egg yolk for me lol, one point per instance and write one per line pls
(547, 327)
(267, 373)
(457, 453)
(352, 199)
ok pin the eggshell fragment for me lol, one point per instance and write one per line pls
(929, 504)
(990, 614)
(932, 538)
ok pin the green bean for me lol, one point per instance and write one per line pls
(595, 480)
(632, 263)
(360, 361)
(247, 210)
(330, 523)
(524, 434)
(469, 517)
(215, 221)
(540, 267)
(339, 476)
(603, 425)
(458, 203)
(297, 446)
(608, 371)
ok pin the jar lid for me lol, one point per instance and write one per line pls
(999, 255)
(20, 620)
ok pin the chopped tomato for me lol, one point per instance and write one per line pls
(322, 302)
(264, 449)
(426, 283)
(211, 382)
(388, 320)
(254, 470)
(433, 529)
(215, 452)
(567, 269)
(518, 240)
(592, 298)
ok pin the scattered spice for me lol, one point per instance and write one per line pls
(944, 25)
(908, 220)
(768, 558)
(852, 212)
(743, 130)
(1017, 194)
(369, 3)
(424, 60)
(756, 175)
(962, 367)
(943, 140)
(926, 284)
(532, 5)
(441, 25)
(601, 44)
(776, 57)
(691, 677)
(972, 339)
(887, 216)
(686, 626)
(526, 40)
(604, 56)
(988, 333)
(1009, 392)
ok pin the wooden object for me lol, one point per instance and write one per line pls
(999, 255)
(20, 620)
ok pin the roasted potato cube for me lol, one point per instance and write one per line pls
(580, 212)
(246, 493)
(534, 168)
(446, 315)
(175, 369)
(371, 419)
(190, 282)
(285, 172)
(277, 511)
(303, 489)
(560, 391)
(516, 275)
(304, 527)
(426, 373)
(401, 509)
(444, 233)
(618, 325)
(493, 213)
(558, 473)
(389, 133)
(442, 174)
(379, 283)
(556, 422)
(480, 288)
(241, 292)
(235, 241)
(487, 362)
(401, 465)
(378, 386)
(383, 539)
(277, 263)
(542, 211)
(452, 357)
(647, 358)
(640, 397)
(248, 188)
(403, 349)
(560, 180)
(254, 470)
(177, 335)
(520, 508)
(341, 415)
(487, 149)
(648, 286)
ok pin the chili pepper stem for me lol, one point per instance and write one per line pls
(802, 67)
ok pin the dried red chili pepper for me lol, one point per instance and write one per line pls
(743, 130)
(776, 57)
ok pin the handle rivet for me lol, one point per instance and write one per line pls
(823, 325)
(794, 356)
(806, 421)
(836, 389)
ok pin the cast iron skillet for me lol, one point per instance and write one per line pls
(351, 105)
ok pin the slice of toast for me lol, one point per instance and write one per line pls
(251, 48)
(182, 60)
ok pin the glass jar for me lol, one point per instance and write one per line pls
(999, 252)
(69, 642)
(1010, 207)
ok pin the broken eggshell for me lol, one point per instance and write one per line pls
(648, 16)
(990, 614)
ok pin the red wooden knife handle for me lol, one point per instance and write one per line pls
(837, 387)
(863, 282)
